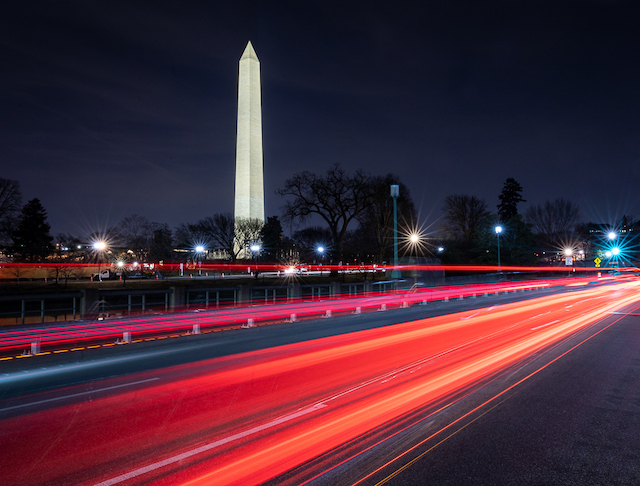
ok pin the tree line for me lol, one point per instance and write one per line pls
(338, 199)
(348, 215)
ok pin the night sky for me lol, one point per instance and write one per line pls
(118, 108)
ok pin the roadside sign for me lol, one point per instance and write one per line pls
(597, 261)
(569, 260)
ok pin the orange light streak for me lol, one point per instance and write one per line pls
(258, 414)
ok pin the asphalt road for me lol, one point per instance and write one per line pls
(574, 420)
(27, 376)
(570, 420)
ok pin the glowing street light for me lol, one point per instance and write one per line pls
(615, 251)
(414, 244)
(123, 274)
(199, 250)
(100, 247)
(612, 235)
(255, 250)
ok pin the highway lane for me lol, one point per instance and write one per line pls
(568, 417)
(244, 418)
(55, 336)
(89, 363)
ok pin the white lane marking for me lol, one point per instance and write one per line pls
(544, 325)
(94, 364)
(97, 390)
(207, 447)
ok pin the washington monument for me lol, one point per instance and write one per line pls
(249, 196)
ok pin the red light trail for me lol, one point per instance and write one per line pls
(56, 337)
(241, 268)
(246, 418)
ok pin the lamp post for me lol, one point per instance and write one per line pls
(498, 231)
(395, 193)
(255, 249)
(99, 246)
(320, 250)
(199, 251)
(123, 275)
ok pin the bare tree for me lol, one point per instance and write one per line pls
(10, 205)
(308, 239)
(64, 270)
(222, 232)
(160, 247)
(19, 271)
(554, 219)
(217, 230)
(10, 197)
(248, 232)
(136, 232)
(378, 215)
(338, 198)
(464, 217)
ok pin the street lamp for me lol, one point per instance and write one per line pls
(414, 243)
(320, 250)
(255, 248)
(395, 193)
(121, 270)
(612, 235)
(498, 231)
(199, 251)
(99, 246)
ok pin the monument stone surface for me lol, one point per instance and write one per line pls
(249, 190)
